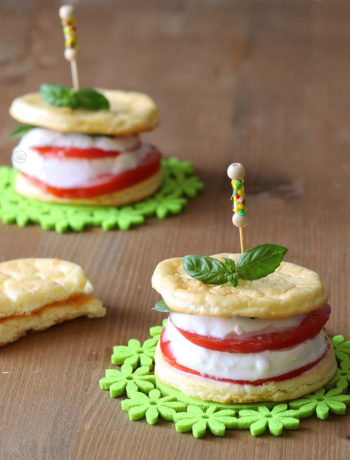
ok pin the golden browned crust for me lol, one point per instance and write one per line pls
(223, 392)
(14, 327)
(290, 290)
(129, 195)
(28, 284)
(129, 113)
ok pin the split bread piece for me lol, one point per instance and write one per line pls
(290, 290)
(129, 113)
(38, 293)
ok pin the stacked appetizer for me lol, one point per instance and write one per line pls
(243, 329)
(83, 146)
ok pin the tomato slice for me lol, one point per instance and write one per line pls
(169, 357)
(307, 329)
(107, 183)
(88, 154)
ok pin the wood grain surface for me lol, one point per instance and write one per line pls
(261, 82)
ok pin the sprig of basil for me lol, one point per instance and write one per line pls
(255, 263)
(84, 98)
(162, 307)
(90, 99)
(21, 130)
(58, 95)
(260, 261)
(205, 269)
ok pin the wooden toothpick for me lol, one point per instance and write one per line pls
(236, 172)
(242, 239)
(66, 13)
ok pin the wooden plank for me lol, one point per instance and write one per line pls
(262, 82)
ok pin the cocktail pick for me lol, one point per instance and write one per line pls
(236, 172)
(66, 13)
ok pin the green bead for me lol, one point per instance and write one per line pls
(239, 184)
(241, 212)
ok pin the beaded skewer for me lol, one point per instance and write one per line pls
(236, 172)
(66, 13)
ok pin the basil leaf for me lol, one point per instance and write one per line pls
(84, 98)
(233, 278)
(57, 95)
(230, 265)
(89, 99)
(162, 307)
(260, 261)
(205, 269)
(110, 136)
(22, 129)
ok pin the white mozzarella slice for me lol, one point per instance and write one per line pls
(41, 137)
(224, 327)
(73, 172)
(242, 366)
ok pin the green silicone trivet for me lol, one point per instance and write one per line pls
(179, 184)
(148, 399)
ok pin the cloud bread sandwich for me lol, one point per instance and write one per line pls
(82, 145)
(232, 337)
(82, 156)
(243, 328)
(38, 293)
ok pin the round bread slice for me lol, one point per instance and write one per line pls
(129, 113)
(290, 290)
(129, 195)
(224, 392)
(29, 284)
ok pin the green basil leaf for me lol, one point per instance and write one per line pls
(162, 307)
(260, 261)
(22, 129)
(109, 136)
(233, 278)
(205, 269)
(84, 98)
(89, 99)
(57, 95)
(230, 265)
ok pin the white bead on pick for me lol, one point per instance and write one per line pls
(236, 172)
(66, 13)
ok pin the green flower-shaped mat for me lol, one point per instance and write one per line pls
(148, 399)
(179, 184)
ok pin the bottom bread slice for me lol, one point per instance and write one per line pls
(224, 392)
(128, 195)
(14, 327)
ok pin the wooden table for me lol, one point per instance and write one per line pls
(262, 82)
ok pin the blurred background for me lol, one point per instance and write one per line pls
(263, 82)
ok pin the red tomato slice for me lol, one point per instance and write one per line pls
(107, 183)
(88, 154)
(169, 357)
(307, 329)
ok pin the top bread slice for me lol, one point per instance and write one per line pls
(129, 113)
(29, 284)
(290, 290)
